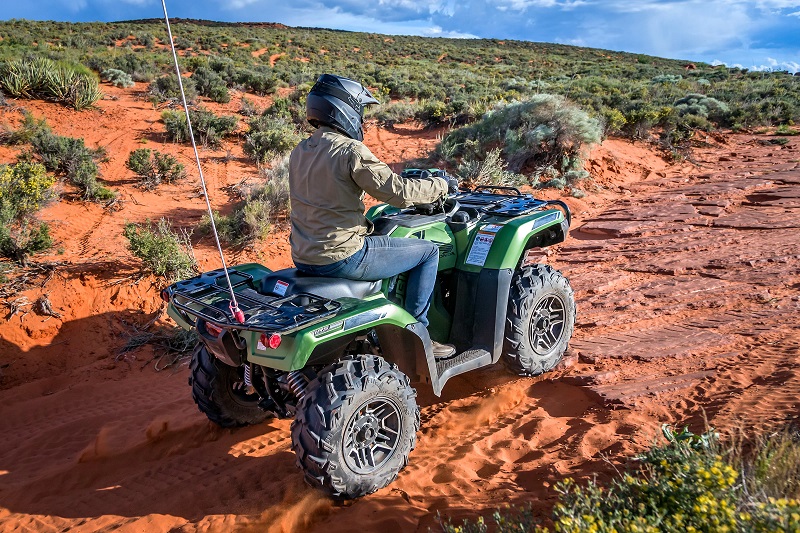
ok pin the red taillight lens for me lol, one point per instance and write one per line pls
(165, 295)
(215, 331)
(273, 340)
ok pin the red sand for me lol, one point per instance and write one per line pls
(686, 280)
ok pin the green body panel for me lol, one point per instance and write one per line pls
(355, 316)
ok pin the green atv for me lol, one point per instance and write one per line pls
(339, 355)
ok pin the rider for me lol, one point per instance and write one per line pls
(328, 175)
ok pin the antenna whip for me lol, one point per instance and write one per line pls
(234, 306)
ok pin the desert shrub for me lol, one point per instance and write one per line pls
(117, 78)
(137, 65)
(431, 112)
(489, 171)
(613, 121)
(784, 129)
(691, 483)
(261, 205)
(145, 39)
(269, 137)
(72, 158)
(640, 119)
(154, 167)
(256, 81)
(292, 107)
(166, 88)
(543, 132)
(275, 190)
(24, 188)
(209, 129)
(393, 113)
(211, 85)
(31, 127)
(162, 250)
(248, 107)
(702, 106)
(39, 77)
(20, 239)
(667, 78)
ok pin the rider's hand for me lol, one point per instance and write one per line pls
(452, 185)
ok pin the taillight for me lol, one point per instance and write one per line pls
(214, 330)
(165, 295)
(273, 340)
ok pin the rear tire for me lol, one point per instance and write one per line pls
(218, 391)
(540, 320)
(355, 426)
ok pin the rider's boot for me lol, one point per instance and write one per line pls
(442, 351)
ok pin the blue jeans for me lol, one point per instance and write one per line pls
(382, 257)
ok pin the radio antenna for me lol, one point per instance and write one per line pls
(234, 306)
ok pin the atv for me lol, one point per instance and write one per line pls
(339, 356)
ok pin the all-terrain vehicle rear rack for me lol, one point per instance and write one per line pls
(204, 298)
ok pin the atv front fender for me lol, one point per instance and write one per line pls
(516, 235)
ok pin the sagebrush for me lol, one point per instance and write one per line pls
(154, 167)
(208, 128)
(162, 250)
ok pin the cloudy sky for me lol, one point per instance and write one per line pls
(751, 33)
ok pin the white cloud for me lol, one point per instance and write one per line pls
(74, 5)
(771, 64)
(795, 14)
(524, 5)
(239, 4)
(437, 31)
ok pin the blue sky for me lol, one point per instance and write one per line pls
(757, 34)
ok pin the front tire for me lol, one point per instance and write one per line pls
(219, 392)
(540, 320)
(355, 426)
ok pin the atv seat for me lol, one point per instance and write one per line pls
(292, 281)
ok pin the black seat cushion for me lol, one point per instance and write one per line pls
(292, 281)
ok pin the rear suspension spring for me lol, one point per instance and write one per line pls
(297, 382)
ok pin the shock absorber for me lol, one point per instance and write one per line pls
(247, 379)
(297, 382)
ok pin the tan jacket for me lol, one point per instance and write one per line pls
(328, 175)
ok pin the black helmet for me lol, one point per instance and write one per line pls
(339, 103)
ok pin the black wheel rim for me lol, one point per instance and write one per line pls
(547, 324)
(372, 435)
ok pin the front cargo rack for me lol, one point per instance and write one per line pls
(265, 314)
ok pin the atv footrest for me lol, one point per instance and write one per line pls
(463, 362)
